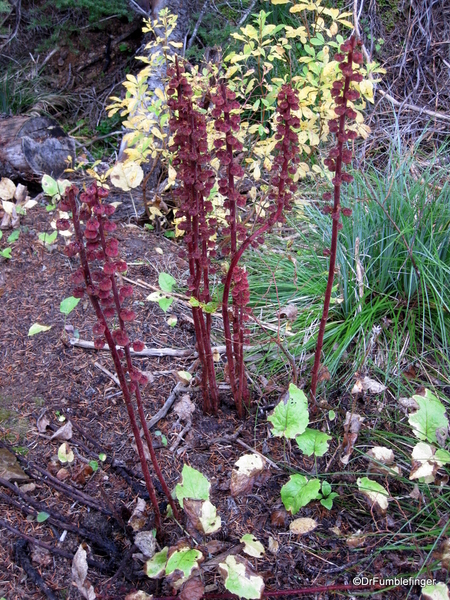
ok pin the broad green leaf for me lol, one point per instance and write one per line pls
(290, 418)
(298, 492)
(48, 238)
(6, 253)
(102, 456)
(438, 591)
(68, 304)
(156, 566)
(49, 185)
(37, 328)
(14, 236)
(165, 303)
(239, 578)
(166, 282)
(53, 187)
(328, 501)
(65, 454)
(428, 418)
(312, 442)
(94, 465)
(374, 491)
(184, 560)
(252, 546)
(193, 485)
(42, 516)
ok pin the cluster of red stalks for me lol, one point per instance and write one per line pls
(98, 253)
(196, 178)
(192, 160)
(98, 250)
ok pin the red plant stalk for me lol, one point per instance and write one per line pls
(192, 159)
(135, 375)
(338, 156)
(94, 213)
(228, 122)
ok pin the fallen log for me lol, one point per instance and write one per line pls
(33, 146)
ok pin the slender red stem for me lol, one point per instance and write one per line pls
(116, 359)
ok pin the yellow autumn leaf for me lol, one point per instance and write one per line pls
(366, 89)
(160, 94)
(172, 174)
(126, 176)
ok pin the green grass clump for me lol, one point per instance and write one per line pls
(398, 313)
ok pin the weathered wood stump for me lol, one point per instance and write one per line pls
(33, 146)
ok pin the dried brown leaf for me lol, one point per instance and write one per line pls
(63, 433)
(9, 467)
(193, 589)
(184, 408)
(42, 423)
(303, 525)
(138, 519)
(79, 573)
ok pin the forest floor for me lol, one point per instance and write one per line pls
(45, 375)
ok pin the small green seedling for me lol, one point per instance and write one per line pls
(327, 496)
(68, 304)
(42, 516)
(166, 283)
(48, 238)
(54, 188)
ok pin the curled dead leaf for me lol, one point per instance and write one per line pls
(79, 573)
(366, 384)
(184, 408)
(289, 311)
(63, 433)
(42, 423)
(249, 467)
(81, 474)
(193, 589)
(138, 519)
(146, 542)
(352, 425)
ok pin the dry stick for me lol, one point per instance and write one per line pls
(54, 519)
(108, 373)
(23, 560)
(177, 352)
(413, 107)
(53, 549)
(77, 495)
